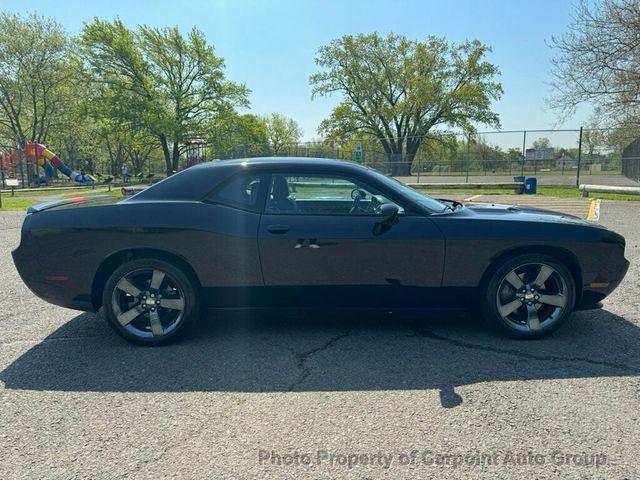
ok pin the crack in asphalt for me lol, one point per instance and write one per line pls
(517, 353)
(144, 463)
(303, 357)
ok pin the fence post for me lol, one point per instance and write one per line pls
(524, 147)
(579, 159)
(468, 156)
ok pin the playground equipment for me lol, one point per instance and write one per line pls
(46, 159)
(195, 151)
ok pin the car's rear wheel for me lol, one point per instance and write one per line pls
(529, 296)
(150, 301)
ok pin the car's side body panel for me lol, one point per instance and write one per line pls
(475, 241)
(218, 242)
(427, 259)
(351, 260)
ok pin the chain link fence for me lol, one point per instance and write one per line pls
(631, 161)
(555, 157)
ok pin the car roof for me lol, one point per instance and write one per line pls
(195, 182)
(281, 162)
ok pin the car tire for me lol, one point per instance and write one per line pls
(150, 301)
(529, 296)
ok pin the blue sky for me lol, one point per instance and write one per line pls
(270, 45)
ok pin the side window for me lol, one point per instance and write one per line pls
(242, 191)
(321, 195)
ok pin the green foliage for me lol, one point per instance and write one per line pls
(35, 78)
(157, 80)
(398, 90)
(542, 142)
(232, 135)
(282, 132)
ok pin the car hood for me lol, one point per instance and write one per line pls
(513, 212)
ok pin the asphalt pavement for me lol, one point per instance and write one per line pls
(299, 396)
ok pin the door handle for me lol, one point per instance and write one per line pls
(278, 229)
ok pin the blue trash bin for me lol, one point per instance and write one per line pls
(530, 185)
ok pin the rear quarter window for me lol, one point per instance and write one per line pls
(242, 191)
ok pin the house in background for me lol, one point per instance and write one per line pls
(566, 161)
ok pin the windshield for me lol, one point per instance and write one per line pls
(398, 186)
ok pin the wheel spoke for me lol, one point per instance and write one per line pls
(533, 321)
(544, 273)
(156, 279)
(156, 325)
(555, 300)
(128, 287)
(514, 280)
(127, 317)
(173, 304)
(510, 307)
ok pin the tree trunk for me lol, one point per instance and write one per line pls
(119, 157)
(176, 156)
(167, 155)
(400, 164)
(405, 161)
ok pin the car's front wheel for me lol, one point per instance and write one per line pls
(529, 296)
(150, 301)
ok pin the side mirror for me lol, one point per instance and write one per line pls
(389, 213)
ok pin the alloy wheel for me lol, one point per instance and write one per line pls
(531, 297)
(148, 303)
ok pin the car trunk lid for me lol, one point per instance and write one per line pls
(73, 202)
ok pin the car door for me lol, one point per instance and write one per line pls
(229, 263)
(321, 246)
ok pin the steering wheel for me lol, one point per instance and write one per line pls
(357, 195)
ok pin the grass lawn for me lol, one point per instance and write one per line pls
(571, 192)
(15, 203)
(64, 192)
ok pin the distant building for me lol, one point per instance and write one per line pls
(566, 161)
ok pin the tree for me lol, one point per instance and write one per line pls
(398, 90)
(158, 80)
(34, 77)
(282, 132)
(542, 142)
(598, 61)
(514, 154)
(232, 135)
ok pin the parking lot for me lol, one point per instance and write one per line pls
(293, 396)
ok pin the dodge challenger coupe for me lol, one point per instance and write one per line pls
(307, 233)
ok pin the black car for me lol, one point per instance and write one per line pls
(307, 233)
